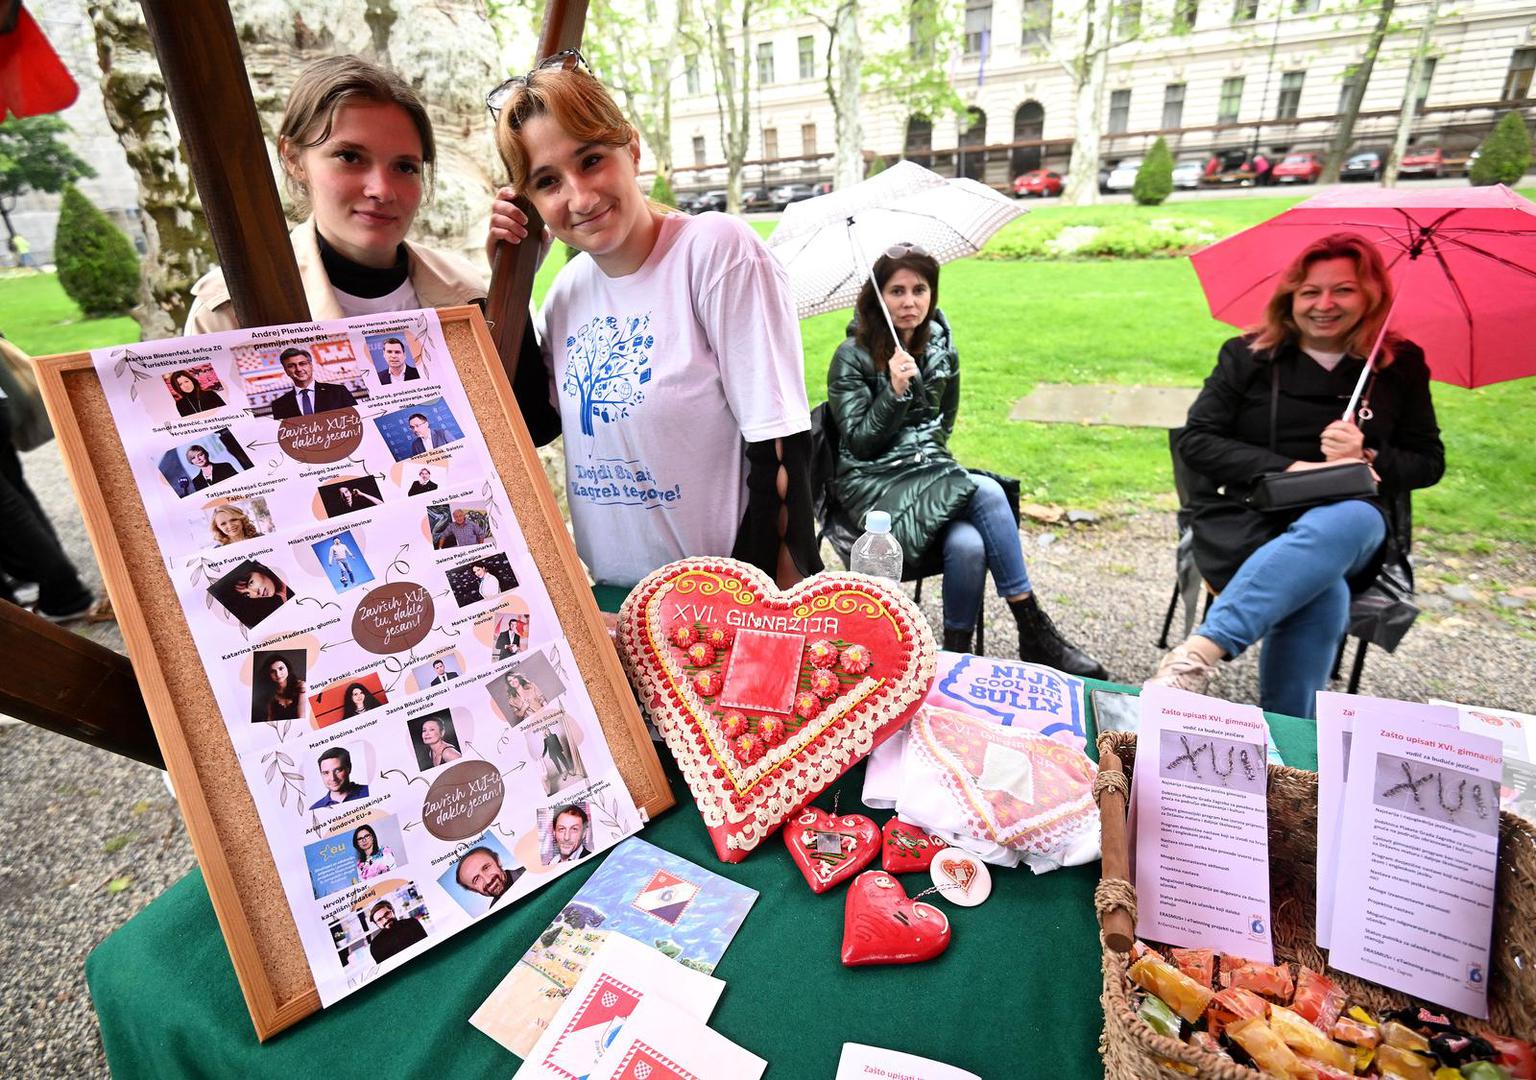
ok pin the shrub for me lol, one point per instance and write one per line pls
(98, 267)
(876, 165)
(1505, 153)
(661, 191)
(1154, 180)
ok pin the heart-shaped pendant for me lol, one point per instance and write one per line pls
(830, 850)
(882, 926)
(961, 877)
(908, 847)
(766, 697)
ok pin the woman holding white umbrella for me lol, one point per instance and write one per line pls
(895, 404)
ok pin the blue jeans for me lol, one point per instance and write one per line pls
(983, 537)
(1292, 593)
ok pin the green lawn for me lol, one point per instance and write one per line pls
(37, 315)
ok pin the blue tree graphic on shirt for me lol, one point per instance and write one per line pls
(606, 364)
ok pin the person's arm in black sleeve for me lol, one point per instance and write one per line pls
(531, 388)
(778, 533)
(1207, 445)
(868, 419)
(1416, 456)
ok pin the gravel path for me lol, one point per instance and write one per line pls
(87, 839)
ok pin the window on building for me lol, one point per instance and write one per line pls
(919, 142)
(973, 140)
(691, 74)
(923, 25)
(1306, 7)
(808, 140)
(1028, 126)
(1037, 22)
(770, 143)
(978, 27)
(1119, 111)
(1426, 76)
(764, 63)
(1290, 95)
(1346, 85)
(1517, 84)
(1173, 106)
(698, 150)
(1245, 11)
(1128, 20)
(807, 47)
(1185, 12)
(1231, 102)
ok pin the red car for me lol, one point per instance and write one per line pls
(1299, 169)
(1422, 161)
(1037, 182)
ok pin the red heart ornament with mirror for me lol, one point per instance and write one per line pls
(828, 849)
(766, 697)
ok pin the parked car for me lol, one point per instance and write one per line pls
(1186, 174)
(1037, 182)
(1298, 169)
(823, 188)
(709, 200)
(1123, 176)
(1232, 167)
(785, 194)
(1422, 161)
(756, 199)
(1362, 165)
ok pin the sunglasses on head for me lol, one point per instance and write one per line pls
(902, 250)
(564, 60)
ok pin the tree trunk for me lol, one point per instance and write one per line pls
(1339, 148)
(1410, 98)
(1090, 69)
(849, 166)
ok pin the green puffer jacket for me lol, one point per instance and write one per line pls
(893, 453)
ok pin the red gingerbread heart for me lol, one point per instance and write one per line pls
(908, 847)
(830, 850)
(959, 871)
(882, 926)
(792, 689)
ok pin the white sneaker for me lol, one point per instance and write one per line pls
(1183, 669)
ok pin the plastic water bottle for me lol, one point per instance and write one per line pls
(876, 553)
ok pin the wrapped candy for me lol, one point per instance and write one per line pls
(1353, 1032)
(1182, 994)
(1515, 1055)
(1399, 1064)
(1270, 980)
(1267, 1049)
(1198, 964)
(1480, 1070)
(1323, 1071)
(1318, 1000)
(1403, 1037)
(1233, 1004)
(1159, 1017)
(1139, 949)
(1204, 1040)
(1299, 1034)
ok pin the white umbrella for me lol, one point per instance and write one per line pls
(828, 244)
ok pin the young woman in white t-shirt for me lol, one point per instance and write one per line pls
(672, 345)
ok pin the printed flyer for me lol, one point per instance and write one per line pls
(412, 727)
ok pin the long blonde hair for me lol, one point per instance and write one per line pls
(1279, 325)
(248, 528)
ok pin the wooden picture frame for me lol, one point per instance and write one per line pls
(242, 879)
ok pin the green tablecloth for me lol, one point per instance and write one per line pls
(1017, 989)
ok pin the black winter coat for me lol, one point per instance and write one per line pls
(1226, 440)
(893, 452)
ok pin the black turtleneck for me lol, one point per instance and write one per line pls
(355, 279)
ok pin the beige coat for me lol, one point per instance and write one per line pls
(440, 280)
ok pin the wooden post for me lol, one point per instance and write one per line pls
(513, 268)
(1119, 930)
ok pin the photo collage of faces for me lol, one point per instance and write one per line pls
(414, 732)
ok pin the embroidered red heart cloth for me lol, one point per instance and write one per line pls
(829, 850)
(908, 847)
(882, 926)
(766, 697)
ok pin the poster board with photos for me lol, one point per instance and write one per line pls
(248, 893)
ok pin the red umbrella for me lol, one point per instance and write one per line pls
(1462, 261)
(33, 80)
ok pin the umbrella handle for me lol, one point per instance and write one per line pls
(1370, 361)
(858, 250)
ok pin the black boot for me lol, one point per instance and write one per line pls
(1041, 643)
(957, 640)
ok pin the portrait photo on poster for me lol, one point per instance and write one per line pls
(439, 671)
(435, 739)
(1438, 793)
(349, 495)
(200, 463)
(526, 689)
(565, 833)
(461, 524)
(1214, 762)
(354, 855)
(480, 877)
(346, 698)
(251, 592)
(552, 749)
(342, 770)
(195, 389)
(341, 557)
(396, 357)
(418, 428)
(425, 481)
(234, 521)
(379, 847)
(285, 380)
(510, 631)
(277, 684)
(385, 922)
(483, 578)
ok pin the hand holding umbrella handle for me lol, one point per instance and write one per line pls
(1370, 362)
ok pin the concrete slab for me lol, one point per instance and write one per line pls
(1116, 406)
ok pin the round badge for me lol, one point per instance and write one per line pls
(961, 877)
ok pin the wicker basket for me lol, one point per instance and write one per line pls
(1132, 1050)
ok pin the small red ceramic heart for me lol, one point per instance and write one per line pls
(830, 850)
(908, 847)
(882, 926)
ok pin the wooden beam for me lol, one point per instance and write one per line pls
(514, 266)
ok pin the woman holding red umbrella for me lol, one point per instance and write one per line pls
(1273, 404)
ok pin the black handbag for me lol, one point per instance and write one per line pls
(1307, 487)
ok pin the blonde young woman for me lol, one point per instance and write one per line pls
(671, 341)
(230, 525)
